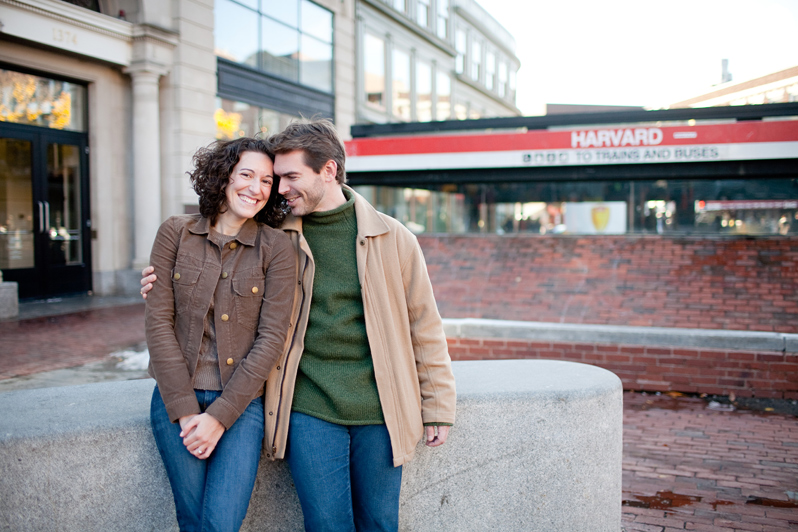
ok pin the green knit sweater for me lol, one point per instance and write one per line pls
(336, 374)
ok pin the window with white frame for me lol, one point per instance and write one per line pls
(502, 79)
(423, 91)
(461, 45)
(400, 83)
(476, 59)
(490, 70)
(422, 13)
(399, 5)
(443, 90)
(442, 19)
(374, 70)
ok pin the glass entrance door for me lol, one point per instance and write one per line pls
(44, 224)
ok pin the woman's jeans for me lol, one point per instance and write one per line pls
(211, 494)
(344, 475)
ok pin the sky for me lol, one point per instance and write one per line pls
(642, 52)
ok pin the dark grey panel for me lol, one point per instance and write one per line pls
(237, 82)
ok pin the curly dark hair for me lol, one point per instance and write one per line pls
(212, 168)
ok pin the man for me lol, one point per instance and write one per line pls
(367, 370)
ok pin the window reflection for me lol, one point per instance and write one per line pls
(287, 39)
(423, 92)
(721, 207)
(374, 69)
(236, 33)
(280, 50)
(316, 64)
(39, 101)
(401, 85)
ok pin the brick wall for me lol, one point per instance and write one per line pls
(767, 374)
(739, 283)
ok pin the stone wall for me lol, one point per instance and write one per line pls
(747, 364)
(739, 283)
(537, 445)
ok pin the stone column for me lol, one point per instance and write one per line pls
(146, 162)
(152, 57)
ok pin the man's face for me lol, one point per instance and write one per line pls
(302, 188)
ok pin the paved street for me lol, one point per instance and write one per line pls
(685, 466)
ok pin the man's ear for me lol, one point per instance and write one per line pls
(329, 170)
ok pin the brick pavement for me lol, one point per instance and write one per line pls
(686, 467)
(64, 341)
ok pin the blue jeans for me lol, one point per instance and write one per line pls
(211, 494)
(344, 475)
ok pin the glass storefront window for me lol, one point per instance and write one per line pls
(374, 69)
(706, 207)
(279, 49)
(286, 11)
(401, 85)
(236, 33)
(423, 92)
(239, 119)
(315, 67)
(39, 101)
(288, 39)
(317, 21)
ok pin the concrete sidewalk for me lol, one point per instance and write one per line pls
(686, 466)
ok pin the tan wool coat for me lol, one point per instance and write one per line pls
(405, 333)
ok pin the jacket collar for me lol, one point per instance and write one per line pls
(369, 222)
(246, 236)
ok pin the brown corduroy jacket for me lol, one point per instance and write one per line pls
(405, 333)
(251, 311)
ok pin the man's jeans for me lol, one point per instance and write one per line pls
(344, 475)
(211, 494)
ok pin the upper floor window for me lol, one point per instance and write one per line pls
(422, 13)
(423, 91)
(374, 70)
(476, 60)
(443, 89)
(442, 19)
(399, 5)
(502, 79)
(461, 45)
(94, 5)
(490, 70)
(292, 39)
(401, 85)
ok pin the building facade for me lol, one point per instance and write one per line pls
(103, 103)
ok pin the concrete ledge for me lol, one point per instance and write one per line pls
(617, 334)
(537, 446)
(9, 299)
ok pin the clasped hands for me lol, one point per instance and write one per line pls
(200, 433)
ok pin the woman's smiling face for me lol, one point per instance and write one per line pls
(249, 187)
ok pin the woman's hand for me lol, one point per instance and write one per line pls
(200, 434)
(147, 278)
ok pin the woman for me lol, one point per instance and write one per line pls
(217, 329)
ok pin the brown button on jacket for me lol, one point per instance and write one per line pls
(256, 297)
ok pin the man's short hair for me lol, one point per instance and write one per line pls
(319, 141)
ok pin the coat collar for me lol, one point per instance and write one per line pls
(246, 236)
(369, 221)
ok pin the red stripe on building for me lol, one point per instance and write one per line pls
(608, 137)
